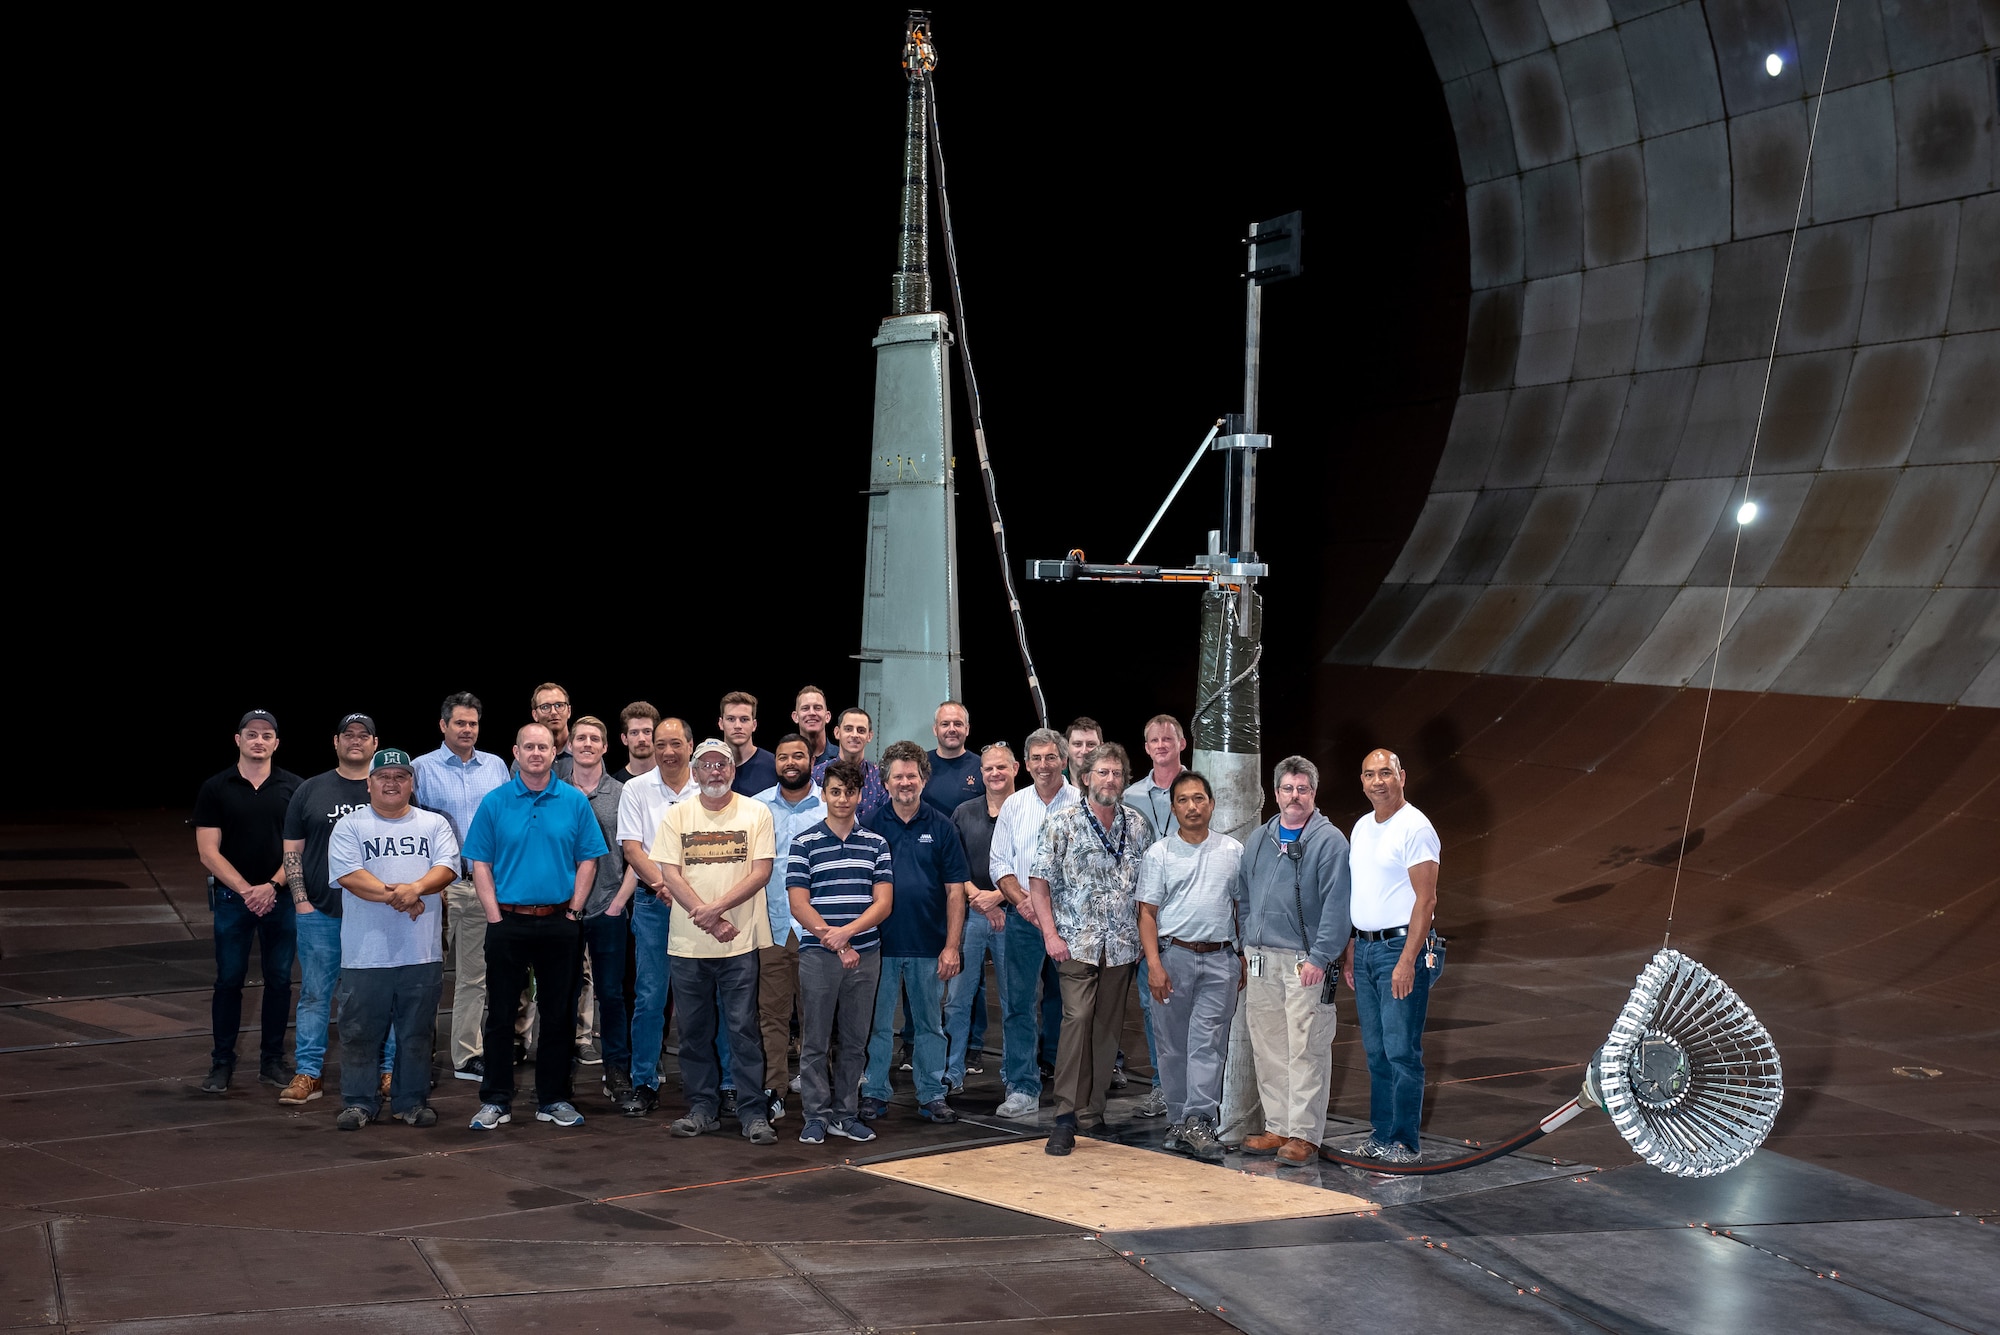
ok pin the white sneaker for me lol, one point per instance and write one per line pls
(1019, 1107)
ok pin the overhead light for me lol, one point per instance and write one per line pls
(1748, 510)
(1774, 64)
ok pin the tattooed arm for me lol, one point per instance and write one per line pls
(295, 874)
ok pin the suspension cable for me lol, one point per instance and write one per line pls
(978, 423)
(1749, 473)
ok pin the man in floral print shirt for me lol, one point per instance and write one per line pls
(1083, 880)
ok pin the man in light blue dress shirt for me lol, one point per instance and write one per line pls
(796, 806)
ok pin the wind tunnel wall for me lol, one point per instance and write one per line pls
(1631, 175)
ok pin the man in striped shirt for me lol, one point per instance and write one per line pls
(839, 876)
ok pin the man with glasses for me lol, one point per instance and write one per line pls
(1292, 892)
(1016, 832)
(714, 856)
(239, 822)
(452, 781)
(316, 808)
(549, 706)
(1084, 879)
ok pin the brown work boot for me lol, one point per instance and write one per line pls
(303, 1089)
(385, 1088)
(1297, 1151)
(1263, 1143)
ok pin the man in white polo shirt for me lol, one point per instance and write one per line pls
(1394, 958)
(392, 862)
(640, 806)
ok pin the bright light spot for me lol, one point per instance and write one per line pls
(1747, 512)
(1774, 64)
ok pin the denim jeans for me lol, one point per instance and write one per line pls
(712, 995)
(916, 976)
(604, 941)
(1392, 1033)
(1022, 956)
(1146, 1018)
(377, 1005)
(962, 993)
(319, 975)
(649, 986)
(236, 929)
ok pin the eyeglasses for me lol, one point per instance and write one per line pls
(553, 707)
(716, 765)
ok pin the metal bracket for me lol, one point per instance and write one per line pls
(1249, 442)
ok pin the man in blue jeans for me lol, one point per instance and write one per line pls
(1015, 835)
(239, 821)
(1393, 960)
(315, 809)
(921, 937)
(986, 913)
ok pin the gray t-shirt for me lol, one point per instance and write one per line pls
(611, 867)
(1191, 885)
(316, 807)
(395, 852)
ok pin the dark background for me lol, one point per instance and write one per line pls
(391, 365)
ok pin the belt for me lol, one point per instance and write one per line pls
(533, 910)
(1198, 947)
(1386, 934)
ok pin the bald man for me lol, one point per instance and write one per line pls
(1394, 958)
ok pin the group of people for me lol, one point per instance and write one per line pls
(753, 893)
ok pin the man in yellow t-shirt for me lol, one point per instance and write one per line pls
(714, 856)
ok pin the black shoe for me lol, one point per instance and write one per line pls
(617, 1085)
(728, 1103)
(520, 1051)
(218, 1080)
(274, 1073)
(642, 1099)
(1048, 1071)
(1062, 1139)
(474, 1069)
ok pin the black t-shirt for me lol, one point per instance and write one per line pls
(756, 774)
(252, 820)
(975, 831)
(315, 809)
(952, 782)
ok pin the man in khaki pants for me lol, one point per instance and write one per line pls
(452, 781)
(1292, 895)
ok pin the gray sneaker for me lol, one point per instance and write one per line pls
(1172, 1141)
(589, 1054)
(694, 1122)
(489, 1116)
(759, 1132)
(562, 1114)
(1372, 1149)
(1198, 1138)
(1019, 1107)
(1393, 1153)
(353, 1119)
(1153, 1105)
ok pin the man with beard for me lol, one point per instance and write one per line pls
(1084, 878)
(549, 706)
(796, 805)
(1292, 893)
(1016, 833)
(315, 809)
(640, 807)
(714, 856)
(636, 722)
(954, 770)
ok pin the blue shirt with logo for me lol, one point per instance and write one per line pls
(928, 857)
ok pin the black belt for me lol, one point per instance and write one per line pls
(533, 910)
(1386, 934)
(1198, 947)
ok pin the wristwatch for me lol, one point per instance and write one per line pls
(574, 915)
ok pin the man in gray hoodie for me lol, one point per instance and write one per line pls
(1292, 892)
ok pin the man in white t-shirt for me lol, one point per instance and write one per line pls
(1394, 959)
(391, 861)
(1187, 925)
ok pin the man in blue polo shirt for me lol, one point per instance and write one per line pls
(921, 937)
(533, 847)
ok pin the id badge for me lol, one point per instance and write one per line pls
(1257, 964)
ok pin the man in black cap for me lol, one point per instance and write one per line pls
(315, 809)
(239, 819)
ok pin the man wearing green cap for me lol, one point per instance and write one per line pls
(389, 858)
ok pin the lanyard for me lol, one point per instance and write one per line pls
(1118, 853)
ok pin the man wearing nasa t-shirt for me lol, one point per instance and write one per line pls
(1393, 960)
(392, 861)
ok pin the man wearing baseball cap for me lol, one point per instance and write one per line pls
(391, 861)
(714, 857)
(239, 820)
(315, 809)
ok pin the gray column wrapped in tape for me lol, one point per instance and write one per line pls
(1228, 737)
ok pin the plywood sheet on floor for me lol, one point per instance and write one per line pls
(1107, 1186)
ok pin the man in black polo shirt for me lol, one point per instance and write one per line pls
(239, 820)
